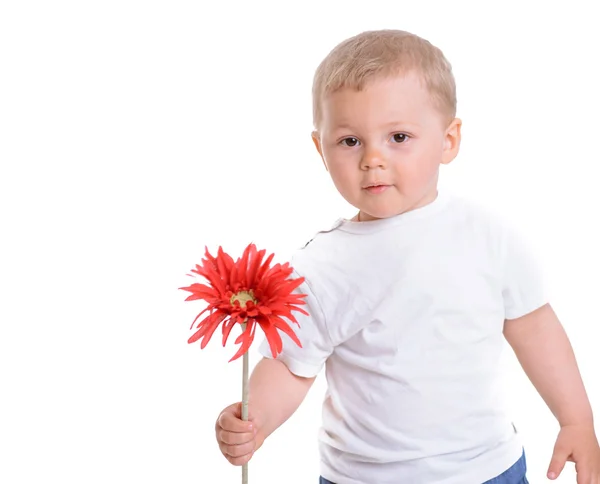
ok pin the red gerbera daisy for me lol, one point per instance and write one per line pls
(247, 292)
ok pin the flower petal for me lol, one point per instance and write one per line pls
(242, 264)
(283, 326)
(200, 291)
(246, 339)
(206, 328)
(227, 327)
(264, 268)
(272, 337)
(253, 267)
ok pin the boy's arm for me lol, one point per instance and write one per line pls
(545, 353)
(274, 395)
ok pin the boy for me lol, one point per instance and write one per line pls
(410, 300)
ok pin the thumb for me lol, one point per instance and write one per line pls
(236, 409)
(558, 461)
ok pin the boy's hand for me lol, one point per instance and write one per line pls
(577, 443)
(236, 437)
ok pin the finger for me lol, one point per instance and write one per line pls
(234, 438)
(586, 473)
(236, 410)
(557, 463)
(232, 452)
(229, 421)
(583, 478)
(239, 461)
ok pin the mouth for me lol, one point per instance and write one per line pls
(376, 188)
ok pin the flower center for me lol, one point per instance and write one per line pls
(243, 297)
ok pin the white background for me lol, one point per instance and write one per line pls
(132, 134)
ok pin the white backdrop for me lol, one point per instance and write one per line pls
(132, 134)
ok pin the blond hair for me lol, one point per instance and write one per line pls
(382, 53)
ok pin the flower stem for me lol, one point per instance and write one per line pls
(245, 404)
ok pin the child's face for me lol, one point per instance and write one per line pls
(388, 134)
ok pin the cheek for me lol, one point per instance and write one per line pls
(418, 168)
(341, 165)
(341, 176)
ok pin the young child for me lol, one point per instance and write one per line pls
(410, 301)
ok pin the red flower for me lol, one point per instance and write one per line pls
(246, 291)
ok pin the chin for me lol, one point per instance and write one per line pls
(383, 213)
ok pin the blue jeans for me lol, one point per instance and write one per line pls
(514, 475)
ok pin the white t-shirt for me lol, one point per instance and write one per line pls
(406, 315)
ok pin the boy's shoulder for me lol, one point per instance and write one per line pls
(478, 212)
(496, 230)
(320, 232)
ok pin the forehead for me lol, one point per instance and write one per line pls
(399, 98)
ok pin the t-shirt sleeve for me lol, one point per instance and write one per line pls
(524, 288)
(308, 360)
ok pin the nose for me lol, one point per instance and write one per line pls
(372, 158)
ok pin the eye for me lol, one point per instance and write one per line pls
(400, 138)
(351, 142)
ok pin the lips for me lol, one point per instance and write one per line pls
(376, 188)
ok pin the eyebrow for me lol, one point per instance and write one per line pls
(401, 123)
(386, 125)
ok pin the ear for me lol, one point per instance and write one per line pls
(451, 141)
(317, 141)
